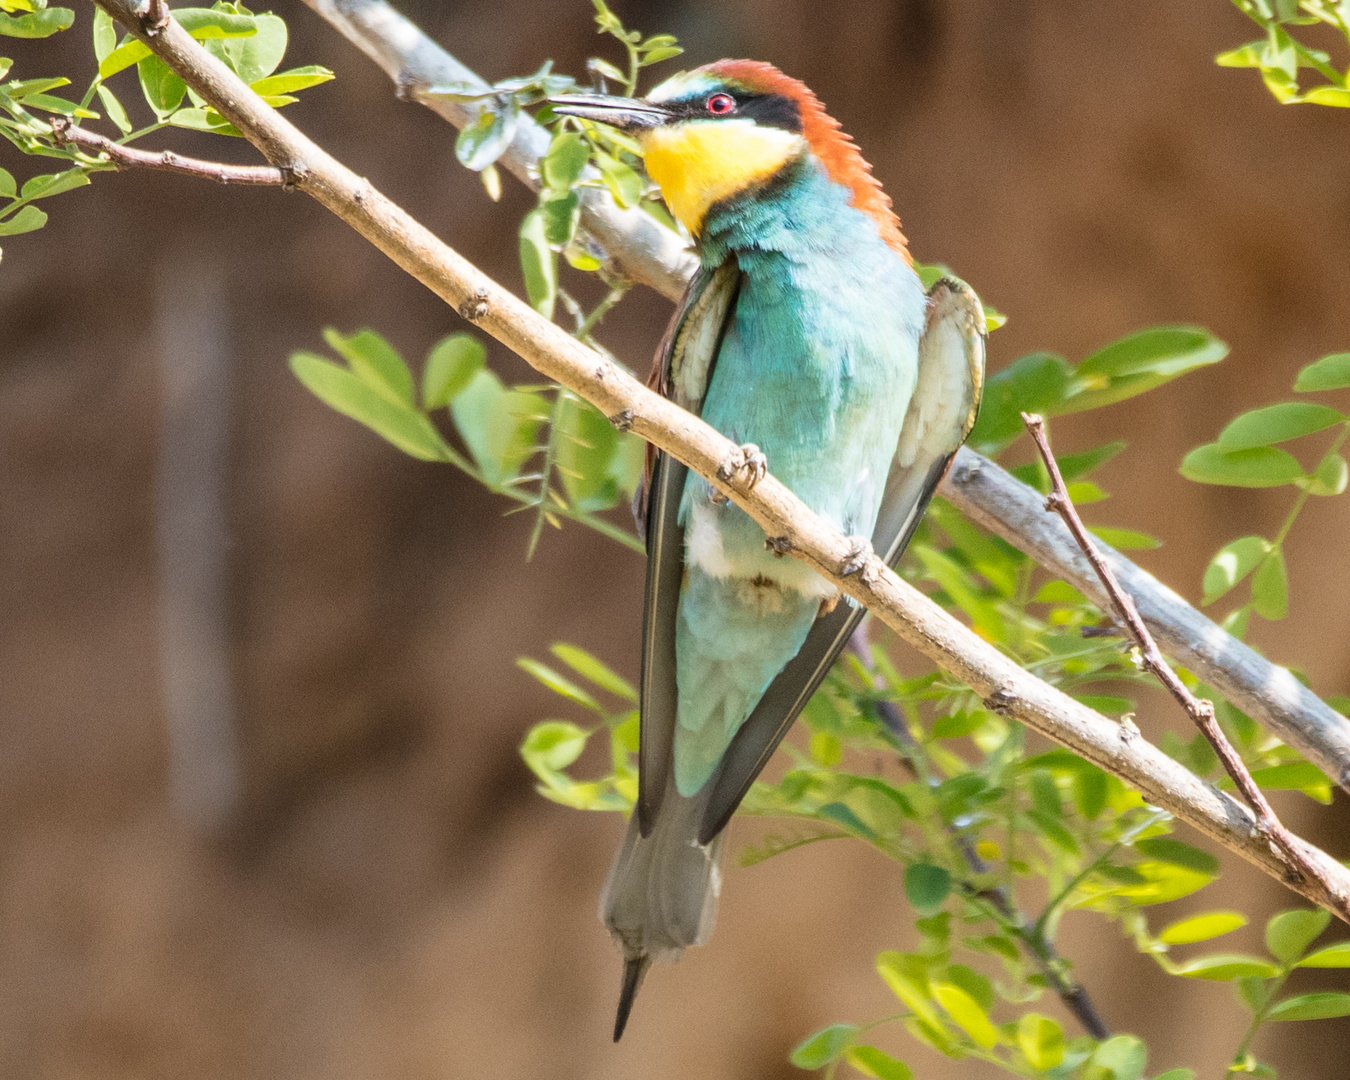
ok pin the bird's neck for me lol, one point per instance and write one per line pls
(799, 211)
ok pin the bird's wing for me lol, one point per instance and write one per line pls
(941, 413)
(684, 364)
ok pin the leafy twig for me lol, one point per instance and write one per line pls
(64, 133)
(1281, 840)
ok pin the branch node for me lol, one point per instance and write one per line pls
(623, 419)
(155, 18)
(476, 306)
(1001, 700)
(859, 559)
(779, 545)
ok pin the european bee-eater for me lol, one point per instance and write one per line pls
(806, 336)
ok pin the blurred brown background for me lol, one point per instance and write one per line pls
(261, 812)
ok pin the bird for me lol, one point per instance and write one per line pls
(806, 336)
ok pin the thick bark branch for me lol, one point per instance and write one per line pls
(65, 133)
(646, 253)
(794, 528)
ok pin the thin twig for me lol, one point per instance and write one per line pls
(1032, 937)
(156, 16)
(64, 133)
(791, 526)
(1281, 840)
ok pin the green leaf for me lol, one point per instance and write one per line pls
(1261, 466)
(560, 218)
(1090, 786)
(958, 724)
(538, 263)
(209, 24)
(927, 886)
(1222, 967)
(451, 366)
(559, 684)
(824, 1046)
(1212, 924)
(1032, 384)
(587, 453)
(1232, 563)
(566, 158)
(1249, 56)
(59, 105)
(1289, 933)
(352, 396)
(1337, 96)
(1125, 539)
(978, 986)
(1333, 956)
(289, 82)
(1178, 853)
(1041, 1041)
(26, 220)
(1277, 423)
(967, 1014)
(203, 120)
(37, 24)
(258, 55)
(1321, 1006)
(1270, 587)
(122, 57)
(486, 139)
(1120, 1058)
(1301, 776)
(116, 113)
(1330, 477)
(7, 186)
(163, 90)
(907, 976)
(498, 425)
(1330, 373)
(42, 187)
(588, 667)
(655, 56)
(105, 34)
(624, 184)
(1072, 466)
(1176, 1074)
(870, 1061)
(553, 745)
(376, 363)
(1137, 363)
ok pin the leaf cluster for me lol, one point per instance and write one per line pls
(1283, 59)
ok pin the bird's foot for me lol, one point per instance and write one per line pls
(747, 458)
(859, 552)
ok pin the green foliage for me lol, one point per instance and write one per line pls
(1245, 455)
(251, 45)
(1282, 58)
(582, 468)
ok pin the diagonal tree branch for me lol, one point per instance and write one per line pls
(64, 133)
(645, 252)
(791, 525)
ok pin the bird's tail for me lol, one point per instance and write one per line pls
(661, 893)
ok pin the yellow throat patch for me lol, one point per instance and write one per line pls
(700, 162)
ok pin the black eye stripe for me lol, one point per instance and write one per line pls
(769, 110)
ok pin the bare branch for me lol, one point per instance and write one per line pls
(1264, 691)
(1201, 712)
(790, 524)
(64, 133)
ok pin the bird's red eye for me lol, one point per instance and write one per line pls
(721, 104)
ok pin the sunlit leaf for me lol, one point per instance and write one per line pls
(1202, 927)
(376, 362)
(1041, 1041)
(878, 1064)
(587, 666)
(538, 263)
(485, 140)
(1333, 956)
(451, 366)
(288, 82)
(1125, 539)
(553, 745)
(1277, 423)
(1322, 1006)
(823, 1047)
(1261, 466)
(1270, 587)
(37, 24)
(1330, 477)
(163, 89)
(559, 684)
(1222, 967)
(1122, 1057)
(1030, 384)
(967, 1014)
(1330, 373)
(25, 220)
(1289, 933)
(1231, 563)
(567, 156)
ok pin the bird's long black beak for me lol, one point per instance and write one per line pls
(626, 114)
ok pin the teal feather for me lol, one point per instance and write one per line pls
(816, 367)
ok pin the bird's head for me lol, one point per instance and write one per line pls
(711, 133)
